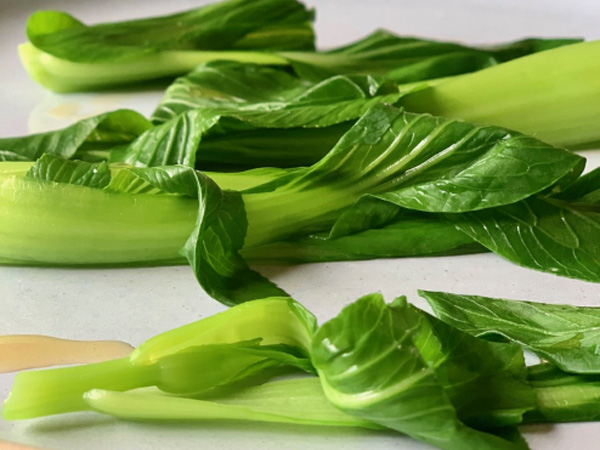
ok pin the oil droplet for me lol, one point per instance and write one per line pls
(65, 111)
(27, 351)
(6, 445)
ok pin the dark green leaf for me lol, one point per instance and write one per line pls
(585, 189)
(434, 164)
(245, 115)
(412, 236)
(564, 334)
(213, 248)
(541, 233)
(174, 142)
(406, 59)
(485, 381)
(229, 85)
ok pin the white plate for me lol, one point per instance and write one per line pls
(134, 304)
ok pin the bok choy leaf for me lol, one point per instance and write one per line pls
(542, 233)
(378, 363)
(418, 162)
(87, 139)
(408, 59)
(226, 114)
(563, 334)
(412, 236)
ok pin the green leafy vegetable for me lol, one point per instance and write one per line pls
(66, 55)
(415, 161)
(378, 366)
(418, 162)
(586, 189)
(563, 334)
(371, 366)
(95, 175)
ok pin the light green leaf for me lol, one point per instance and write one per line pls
(371, 367)
(58, 170)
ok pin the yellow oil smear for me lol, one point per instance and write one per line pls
(27, 351)
(6, 445)
(65, 111)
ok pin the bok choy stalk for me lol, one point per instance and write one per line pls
(65, 55)
(95, 214)
(298, 401)
(413, 236)
(551, 95)
(216, 351)
(562, 396)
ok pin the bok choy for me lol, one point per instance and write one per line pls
(374, 365)
(63, 54)
(435, 166)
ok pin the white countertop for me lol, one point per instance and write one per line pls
(134, 304)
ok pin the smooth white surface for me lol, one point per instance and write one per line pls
(134, 304)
